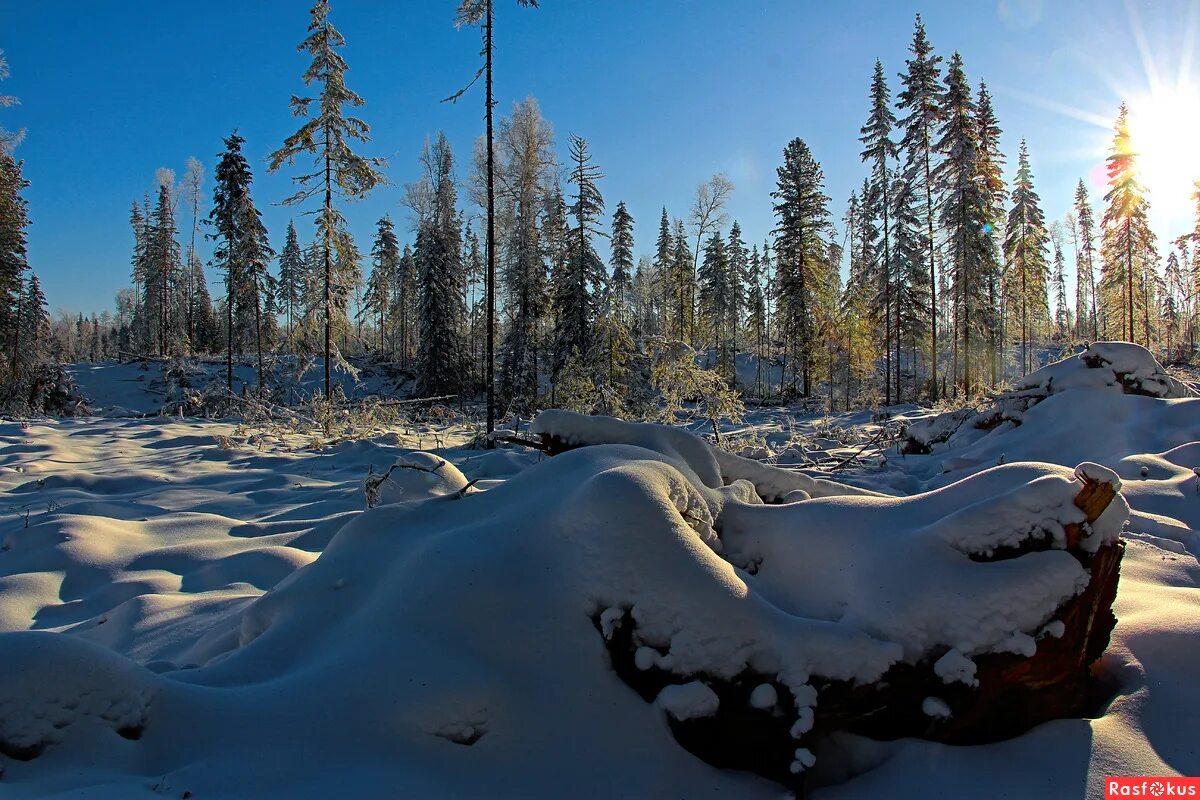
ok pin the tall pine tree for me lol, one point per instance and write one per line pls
(327, 136)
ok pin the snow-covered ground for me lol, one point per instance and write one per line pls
(191, 612)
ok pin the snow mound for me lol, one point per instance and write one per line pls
(1120, 367)
(54, 685)
(711, 466)
(447, 660)
(414, 476)
(836, 558)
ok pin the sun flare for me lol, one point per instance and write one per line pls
(1163, 125)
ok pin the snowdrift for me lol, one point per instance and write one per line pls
(1102, 369)
(480, 643)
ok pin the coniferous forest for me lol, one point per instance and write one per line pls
(506, 277)
(537, 399)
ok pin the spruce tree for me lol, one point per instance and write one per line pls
(1085, 264)
(1058, 278)
(963, 214)
(327, 136)
(193, 181)
(405, 298)
(442, 362)
(525, 175)
(920, 97)
(620, 287)
(577, 285)
(802, 215)
(991, 166)
(713, 283)
(385, 263)
(476, 312)
(162, 268)
(1127, 238)
(912, 280)
(207, 329)
(14, 219)
(682, 280)
(35, 327)
(879, 150)
(1025, 244)
(291, 276)
(738, 278)
(671, 299)
(243, 253)
(756, 316)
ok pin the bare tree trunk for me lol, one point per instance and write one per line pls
(491, 236)
(328, 267)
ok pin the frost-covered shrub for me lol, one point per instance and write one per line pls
(46, 389)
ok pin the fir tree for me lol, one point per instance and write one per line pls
(405, 305)
(991, 166)
(672, 297)
(921, 99)
(1058, 277)
(193, 181)
(1025, 253)
(963, 214)
(878, 149)
(756, 315)
(162, 267)
(577, 285)
(14, 219)
(620, 286)
(291, 276)
(327, 135)
(802, 214)
(243, 253)
(738, 278)
(1127, 239)
(442, 362)
(1085, 264)
(385, 263)
(524, 175)
(34, 333)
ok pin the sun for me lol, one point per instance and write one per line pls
(1162, 126)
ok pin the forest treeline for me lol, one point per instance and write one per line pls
(934, 279)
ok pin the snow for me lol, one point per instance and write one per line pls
(955, 667)
(764, 696)
(182, 611)
(688, 701)
(935, 707)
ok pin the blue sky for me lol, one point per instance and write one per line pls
(667, 92)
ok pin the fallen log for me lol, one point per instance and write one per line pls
(1013, 692)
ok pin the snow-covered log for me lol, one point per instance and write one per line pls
(565, 430)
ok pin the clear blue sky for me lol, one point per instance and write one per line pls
(667, 92)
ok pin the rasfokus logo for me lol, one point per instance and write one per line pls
(1139, 786)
